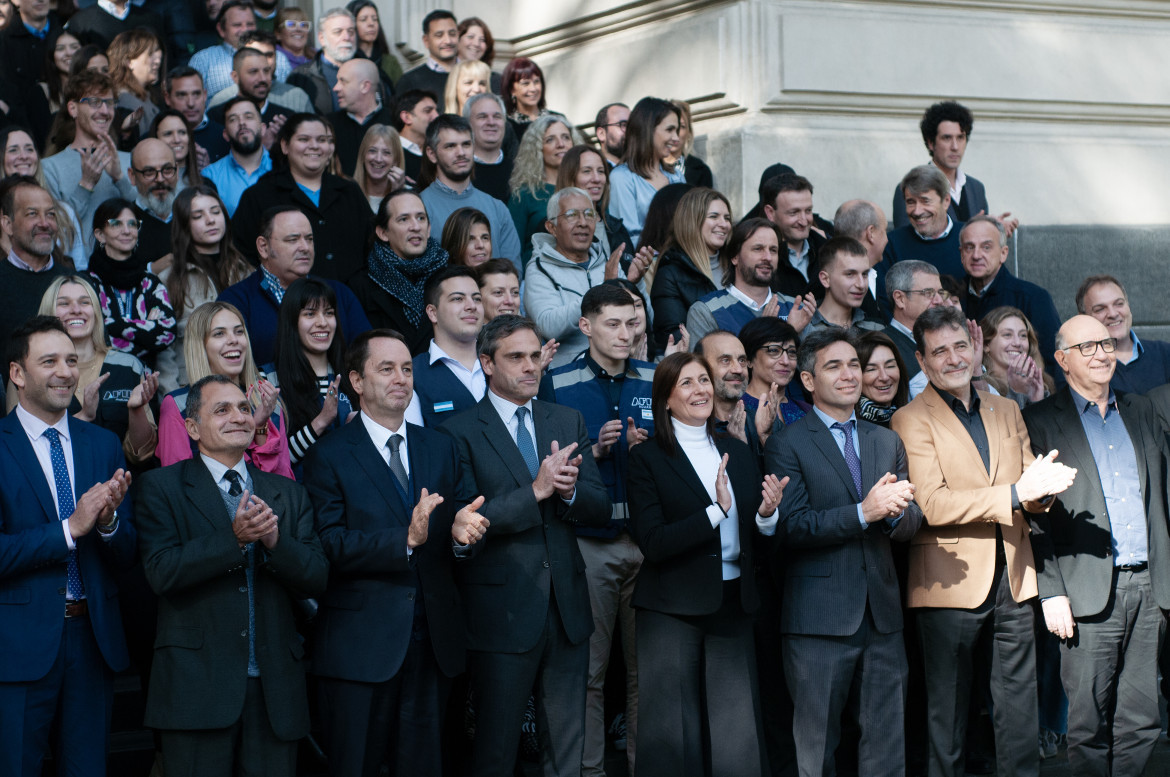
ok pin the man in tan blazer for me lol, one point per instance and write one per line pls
(971, 573)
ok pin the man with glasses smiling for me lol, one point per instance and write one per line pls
(155, 175)
(91, 169)
(912, 287)
(1103, 554)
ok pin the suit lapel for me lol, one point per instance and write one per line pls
(205, 494)
(370, 460)
(961, 441)
(869, 456)
(83, 469)
(504, 444)
(1074, 445)
(685, 472)
(1137, 436)
(823, 439)
(991, 427)
(26, 458)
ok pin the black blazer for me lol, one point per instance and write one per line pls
(682, 573)
(530, 550)
(387, 312)
(1073, 542)
(364, 624)
(194, 564)
(833, 566)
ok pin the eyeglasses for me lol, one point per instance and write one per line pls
(619, 124)
(775, 351)
(167, 171)
(573, 215)
(115, 223)
(943, 294)
(293, 24)
(98, 102)
(1089, 347)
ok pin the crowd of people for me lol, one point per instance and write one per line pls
(385, 409)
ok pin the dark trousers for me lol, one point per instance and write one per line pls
(248, 747)
(697, 693)
(363, 723)
(502, 683)
(1110, 672)
(1001, 630)
(865, 672)
(69, 707)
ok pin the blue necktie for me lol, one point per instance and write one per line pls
(525, 444)
(851, 459)
(65, 505)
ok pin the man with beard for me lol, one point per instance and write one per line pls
(252, 74)
(360, 101)
(493, 154)
(441, 40)
(728, 361)
(449, 148)
(749, 261)
(610, 128)
(155, 175)
(337, 37)
(285, 95)
(248, 159)
(215, 62)
(91, 169)
(28, 223)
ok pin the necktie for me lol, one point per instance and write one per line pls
(395, 442)
(232, 502)
(851, 459)
(525, 444)
(65, 505)
(235, 487)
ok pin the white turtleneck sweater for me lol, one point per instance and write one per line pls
(704, 457)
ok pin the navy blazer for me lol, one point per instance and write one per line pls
(834, 566)
(364, 623)
(34, 553)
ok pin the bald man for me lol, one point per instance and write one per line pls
(1103, 554)
(359, 96)
(155, 176)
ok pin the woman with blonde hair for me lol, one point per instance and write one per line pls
(114, 388)
(217, 344)
(689, 266)
(135, 63)
(381, 167)
(1011, 356)
(465, 80)
(534, 175)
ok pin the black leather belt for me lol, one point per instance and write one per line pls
(1133, 567)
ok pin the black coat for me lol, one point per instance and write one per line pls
(341, 224)
(387, 312)
(678, 284)
(682, 573)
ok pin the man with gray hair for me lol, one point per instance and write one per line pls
(337, 38)
(932, 235)
(494, 153)
(154, 173)
(912, 287)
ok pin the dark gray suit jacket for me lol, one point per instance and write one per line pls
(530, 549)
(1073, 541)
(832, 564)
(194, 564)
(906, 349)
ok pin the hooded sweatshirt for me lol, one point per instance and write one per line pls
(553, 288)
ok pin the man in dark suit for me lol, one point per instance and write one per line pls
(525, 592)
(847, 497)
(229, 550)
(65, 531)
(1103, 554)
(390, 633)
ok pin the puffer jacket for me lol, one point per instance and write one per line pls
(678, 284)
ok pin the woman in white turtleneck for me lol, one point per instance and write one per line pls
(700, 513)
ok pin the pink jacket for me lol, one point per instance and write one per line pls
(175, 445)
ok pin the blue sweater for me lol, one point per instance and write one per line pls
(1150, 369)
(261, 314)
(904, 243)
(576, 385)
(1032, 300)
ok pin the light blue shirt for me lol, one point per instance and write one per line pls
(630, 195)
(214, 63)
(232, 179)
(839, 438)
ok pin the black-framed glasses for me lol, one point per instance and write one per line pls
(619, 124)
(775, 351)
(115, 223)
(98, 102)
(943, 294)
(1089, 347)
(166, 171)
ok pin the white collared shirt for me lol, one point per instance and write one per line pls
(734, 291)
(945, 232)
(113, 11)
(499, 158)
(473, 380)
(411, 146)
(219, 472)
(380, 435)
(896, 324)
(507, 410)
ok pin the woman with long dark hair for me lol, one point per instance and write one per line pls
(58, 61)
(583, 166)
(204, 263)
(136, 58)
(134, 301)
(467, 237)
(885, 384)
(651, 139)
(310, 356)
(476, 42)
(371, 40)
(698, 511)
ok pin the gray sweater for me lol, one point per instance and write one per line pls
(63, 179)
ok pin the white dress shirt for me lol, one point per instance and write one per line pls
(473, 380)
(381, 436)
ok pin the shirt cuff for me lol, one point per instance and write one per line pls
(571, 499)
(68, 537)
(409, 550)
(767, 526)
(861, 517)
(109, 533)
(715, 514)
(460, 550)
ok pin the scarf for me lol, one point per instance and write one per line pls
(404, 279)
(871, 411)
(122, 275)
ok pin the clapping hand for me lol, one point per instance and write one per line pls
(772, 491)
(683, 343)
(420, 519)
(263, 396)
(802, 312)
(469, 526)
(887, 499)
(144, 391)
